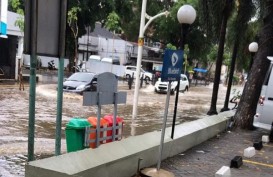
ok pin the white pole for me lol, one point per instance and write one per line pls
(164, 126)
(139, 58)
(142, 29)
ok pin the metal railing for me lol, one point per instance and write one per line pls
(116, 134)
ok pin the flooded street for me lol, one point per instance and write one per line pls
(14, 107)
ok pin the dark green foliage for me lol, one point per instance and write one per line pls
(239, 31)
(211, 13)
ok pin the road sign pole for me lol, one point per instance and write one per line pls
(32, 80)
(164, 126)
(62, 24)
(59, 108)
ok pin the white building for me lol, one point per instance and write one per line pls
(104, 43)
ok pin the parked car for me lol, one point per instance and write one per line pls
(80, 82)
(162, 87)
(263, 117)
(95, 57)
(130, 70)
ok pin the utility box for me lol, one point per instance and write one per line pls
(75, 132)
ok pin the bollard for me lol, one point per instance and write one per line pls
(223, 172)
(130, 82)
(153, 79)
(271, 133)
(265, 139)
(258, 145)
(141, 81)
(236, 162)
(249, 152)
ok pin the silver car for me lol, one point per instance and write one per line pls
(80, 82)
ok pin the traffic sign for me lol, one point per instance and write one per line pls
(172, 65)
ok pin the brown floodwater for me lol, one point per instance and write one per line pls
(14, 115)
(14, 107)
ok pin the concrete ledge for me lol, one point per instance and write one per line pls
(119, 159)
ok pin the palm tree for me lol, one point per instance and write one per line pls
(225, 15)
(239, 26)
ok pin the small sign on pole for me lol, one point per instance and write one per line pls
(172, 65)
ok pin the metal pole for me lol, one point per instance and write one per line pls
(115, 117)
(139, 58)
(175, 108)
(164, 126)
(184, 28)
(60, 79)
(251, 63)
(98, 120)
(32, 80)
(87, 43)
(59, 108)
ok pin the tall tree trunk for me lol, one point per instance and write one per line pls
(231, 71)
(244, 14)
(249, 99)
(219, 60)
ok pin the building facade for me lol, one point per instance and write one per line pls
(106, 44)
(11, 46)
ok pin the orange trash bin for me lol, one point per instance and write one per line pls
(103, 124)
(119, 121)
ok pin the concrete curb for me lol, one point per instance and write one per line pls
(119, 159)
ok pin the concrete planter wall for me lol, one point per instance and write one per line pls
(119, 159)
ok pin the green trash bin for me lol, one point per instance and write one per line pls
(75, 132)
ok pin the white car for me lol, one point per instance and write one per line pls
(162, 87)
(130, 70)
(263, 117)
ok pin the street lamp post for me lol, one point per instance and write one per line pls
(186, 16)
(142, 30)
(253, 48)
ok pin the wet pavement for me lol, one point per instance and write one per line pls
(206, 159)
(14, 105)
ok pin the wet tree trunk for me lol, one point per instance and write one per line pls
(249, 99)
(219, 60)
(231, 72)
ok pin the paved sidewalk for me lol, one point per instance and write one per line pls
(207, 158)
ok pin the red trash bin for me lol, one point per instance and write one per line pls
(119, 121)
(103, 124)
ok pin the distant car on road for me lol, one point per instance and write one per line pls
(130, 70)
(162, 87)
(80, 82)
(114, 61)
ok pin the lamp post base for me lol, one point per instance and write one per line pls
(224, 109)
(153, 172)
(212, 112)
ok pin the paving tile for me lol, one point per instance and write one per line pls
(205, 159)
